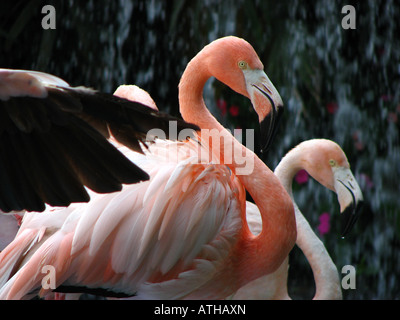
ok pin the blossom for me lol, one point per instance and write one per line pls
(324, 223)
(234, 110)
(301, 177)
(332, 107)
(222, 106)
(366, 181)
(386, 97)
(358, 144)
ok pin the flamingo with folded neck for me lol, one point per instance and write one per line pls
(327, 163)
(183, 233)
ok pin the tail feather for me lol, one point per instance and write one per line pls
(54, 252)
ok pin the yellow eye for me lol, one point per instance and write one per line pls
(332, 163)
(242, 64)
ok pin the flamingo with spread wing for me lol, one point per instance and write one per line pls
(183, 233)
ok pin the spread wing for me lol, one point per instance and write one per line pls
(53, 140)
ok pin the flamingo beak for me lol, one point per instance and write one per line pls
(266, 102)
(350, 198)
(350, 216)
(270, 123)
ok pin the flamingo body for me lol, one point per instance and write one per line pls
(138, 224)
(183, 233)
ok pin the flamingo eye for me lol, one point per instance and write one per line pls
(332, 163)
(242, 64)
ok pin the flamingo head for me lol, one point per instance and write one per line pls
(234, 62)
(327, 163)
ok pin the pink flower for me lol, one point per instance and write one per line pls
(234, 110)
(386, 98)
(301, 177)
(324, 223)
(222, 106)
(367, 181)
(358, 144)
(332, 107)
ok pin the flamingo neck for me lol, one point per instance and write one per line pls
(287, 169)
(253, 256)
(325, 273)
(324, 270)
(191, 102)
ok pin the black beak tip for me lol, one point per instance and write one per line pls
(269, 127)
(269, 124)
(349, 217)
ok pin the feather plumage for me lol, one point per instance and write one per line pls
(53, 140)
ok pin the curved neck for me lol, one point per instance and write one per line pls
(324, 270)
(325, 273)
(287, 169)
(266, 251)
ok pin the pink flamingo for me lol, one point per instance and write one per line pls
(64, 130)
(327, 163)
(183, 233)
(274, 285)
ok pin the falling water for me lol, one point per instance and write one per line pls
(337, 84)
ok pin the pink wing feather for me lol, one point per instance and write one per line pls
(148, 233)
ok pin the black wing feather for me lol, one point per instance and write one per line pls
(50, 148)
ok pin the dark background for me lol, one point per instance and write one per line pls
(337, 84)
